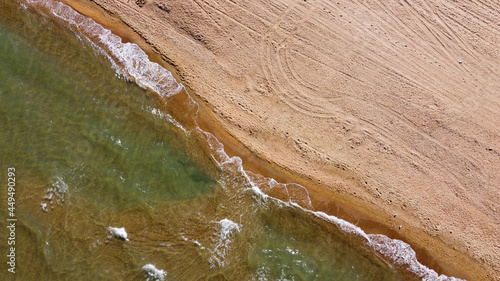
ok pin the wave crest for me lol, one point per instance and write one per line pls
(128, 59)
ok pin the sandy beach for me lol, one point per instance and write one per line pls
(388, 112)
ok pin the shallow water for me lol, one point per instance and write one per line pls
(93, 151)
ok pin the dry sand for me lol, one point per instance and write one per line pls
(386, 107)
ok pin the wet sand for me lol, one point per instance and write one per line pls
(366, 105)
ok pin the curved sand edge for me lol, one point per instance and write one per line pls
(341, 102)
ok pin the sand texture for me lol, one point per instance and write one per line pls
(391, 106)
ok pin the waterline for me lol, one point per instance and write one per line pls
(240, 182)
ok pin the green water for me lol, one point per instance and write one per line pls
(92, 151)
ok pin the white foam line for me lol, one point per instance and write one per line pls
(342, 224)
(170, 119)
(127, 58)
(130, 60)
(220, 156)
(401, 253)
(396, 251)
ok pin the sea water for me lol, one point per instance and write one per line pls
(109, 186)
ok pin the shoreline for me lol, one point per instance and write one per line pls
(347, 207)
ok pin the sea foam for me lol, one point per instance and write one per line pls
(119, 233)
(343, 225)
(227, 229)
(44, 207)
(128, 59)
(395, 251)
(154, 274)
(401, 253)
(234, 163)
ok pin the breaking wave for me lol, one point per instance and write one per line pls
(128, 59)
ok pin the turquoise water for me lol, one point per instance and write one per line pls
(92, 151)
